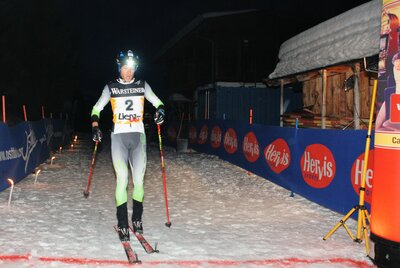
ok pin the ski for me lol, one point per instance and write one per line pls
(130, 253)
(146, 246)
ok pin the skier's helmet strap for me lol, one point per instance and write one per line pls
(127, 58)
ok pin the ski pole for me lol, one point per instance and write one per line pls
(86, 192)
(168, 223)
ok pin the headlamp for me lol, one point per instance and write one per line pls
(129, 59)
(131, 63)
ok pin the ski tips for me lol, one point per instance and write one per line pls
(168, 224)
(85, 194)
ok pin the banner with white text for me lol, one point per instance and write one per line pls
(325, 166)
(25, 146)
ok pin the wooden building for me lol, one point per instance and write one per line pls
(335, 64)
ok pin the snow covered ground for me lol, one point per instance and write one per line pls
(221, 217)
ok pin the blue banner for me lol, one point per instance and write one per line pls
(27, 145)
(322, 165)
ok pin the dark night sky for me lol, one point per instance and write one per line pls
(76, 41)
(108, 26)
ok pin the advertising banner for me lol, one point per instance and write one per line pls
(325, 166)
(385, 212)
(27, 145)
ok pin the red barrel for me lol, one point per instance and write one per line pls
(385, 204)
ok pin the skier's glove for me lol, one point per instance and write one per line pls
(97, 135)
(159, 116)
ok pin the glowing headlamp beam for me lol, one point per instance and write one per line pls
(131, 63)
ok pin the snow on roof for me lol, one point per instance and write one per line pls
(352, 35)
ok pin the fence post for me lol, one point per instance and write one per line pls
(3, 100)
(24, 109)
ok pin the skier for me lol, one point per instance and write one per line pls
(128, 140)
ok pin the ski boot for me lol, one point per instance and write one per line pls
(137, 211)
(123, 233)
(123, 226)
(137, 226)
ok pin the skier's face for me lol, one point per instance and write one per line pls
(127, 73)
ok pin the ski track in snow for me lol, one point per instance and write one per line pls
(221, 217)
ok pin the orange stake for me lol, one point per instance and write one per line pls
(3, 99)
(24, 109)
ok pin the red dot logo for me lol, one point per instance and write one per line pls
(318, 166)
(250, 147)
(277, 155)
(216, 137)
(202, 139)
(192, 135)
(171, 134)
(356, 175)
(230, 141)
